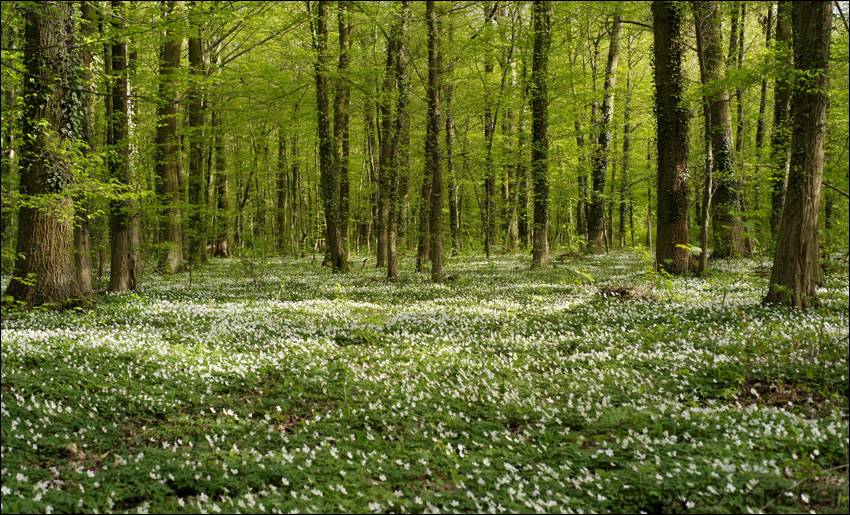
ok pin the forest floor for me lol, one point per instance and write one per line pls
(273, 385)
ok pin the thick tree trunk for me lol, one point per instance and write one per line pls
(400, 142)
(167, 146)
(796, 270)
(45, 271)
(780, 136)
(671, 138)
(539, 127)
(596, 218)
(432, 144)
(341, 104)
(728, 230)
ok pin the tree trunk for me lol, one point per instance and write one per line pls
(45, 271)
(385, 158)
(780, 136)
(432, 144)
(448, 89)
(341, 104)
(671, 138)
(328, 180)
(796, 270)
(729, 238)
(167, 161)
(122, 275)
(627, 137)
(197, 218)
(400, 141)
(82, 237)
(768, 26)
(521, 173)
(539, 126)
(596, 218)
(282, 188)
(708, 186)
(222, 203)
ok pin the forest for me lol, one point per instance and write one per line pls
(416, 256)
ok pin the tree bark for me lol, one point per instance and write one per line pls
(385, 157)
(796, 270)
(329, 184)
(197, 205)
(82, 236)
(222, 203)
(539, 126)
(44, 270)
(448, 89)
(400, 141)
(341, 104)
(282, 187)
(729, 238)
(627, 137)
(709, 156)
(768, 27)
(596, 218)
(122, 276)
(167, 147)
(780, 136)
(432, 144)
(671, 138)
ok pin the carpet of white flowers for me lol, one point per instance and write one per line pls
(596, 385)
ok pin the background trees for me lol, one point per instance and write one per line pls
(214, 88)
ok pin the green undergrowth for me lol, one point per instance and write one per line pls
(595, 385)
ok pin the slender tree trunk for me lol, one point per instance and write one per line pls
(780, 136)
(222, 202)
(341, 104)
(768, 27)
(282, 190)
(124, 254)
(197, 219)
(521, 173)
(167, 162)
(728, 230)
(448, 89)
(796, 270)
(709, 159)
(539, 126)
(45, 271)
(627, 137)
(432, 144)
(671, 138)
(736, 59)
(82, 236)
(595, 222)
(385, 162)
(328, 179)
(400, 141)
